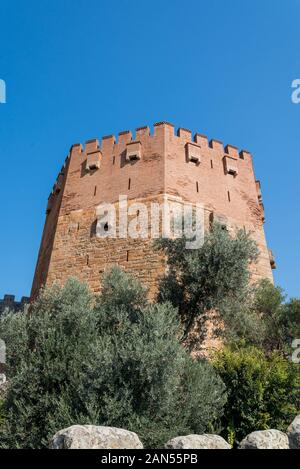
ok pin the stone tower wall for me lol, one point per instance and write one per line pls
(169, 165)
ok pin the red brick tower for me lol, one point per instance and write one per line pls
(146, 168)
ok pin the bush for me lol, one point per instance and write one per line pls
(279, 320)
(290, 321)
(112, 360)
(263, 392)
(1, 412)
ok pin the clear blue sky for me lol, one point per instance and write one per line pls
(78, 69)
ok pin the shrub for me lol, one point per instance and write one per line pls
(112, 360)
(292, 315)
(1, 412)
(279, 320)
(263, 392)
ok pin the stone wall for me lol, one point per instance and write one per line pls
(9, 302)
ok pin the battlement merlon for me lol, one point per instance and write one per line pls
(91, 146)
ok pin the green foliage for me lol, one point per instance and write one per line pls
(112, 360)
(213, 277)
(279, 320)
(2, 415)
(263, 392)
(290, 319)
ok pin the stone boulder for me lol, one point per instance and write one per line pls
(265, 439)
(93, 437)
(3, 387)
(294, 433)
(2, 379)
(198, 442)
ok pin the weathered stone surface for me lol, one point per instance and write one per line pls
(93, 437)
(3, 387)
(2, 379)
(265, 439)
(198, 442)
(294, 433)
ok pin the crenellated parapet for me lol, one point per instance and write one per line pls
(170, 157)
(185, 135)
(8, 302)
(59, 183)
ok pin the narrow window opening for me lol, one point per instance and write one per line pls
(137, 213)
(127, 256)
(211, 164)
(211, 220)
(105, 227)
(197, 186)
(95, 191)
(129, 184)
(114, 159)
(229, 197)
(87, 260)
